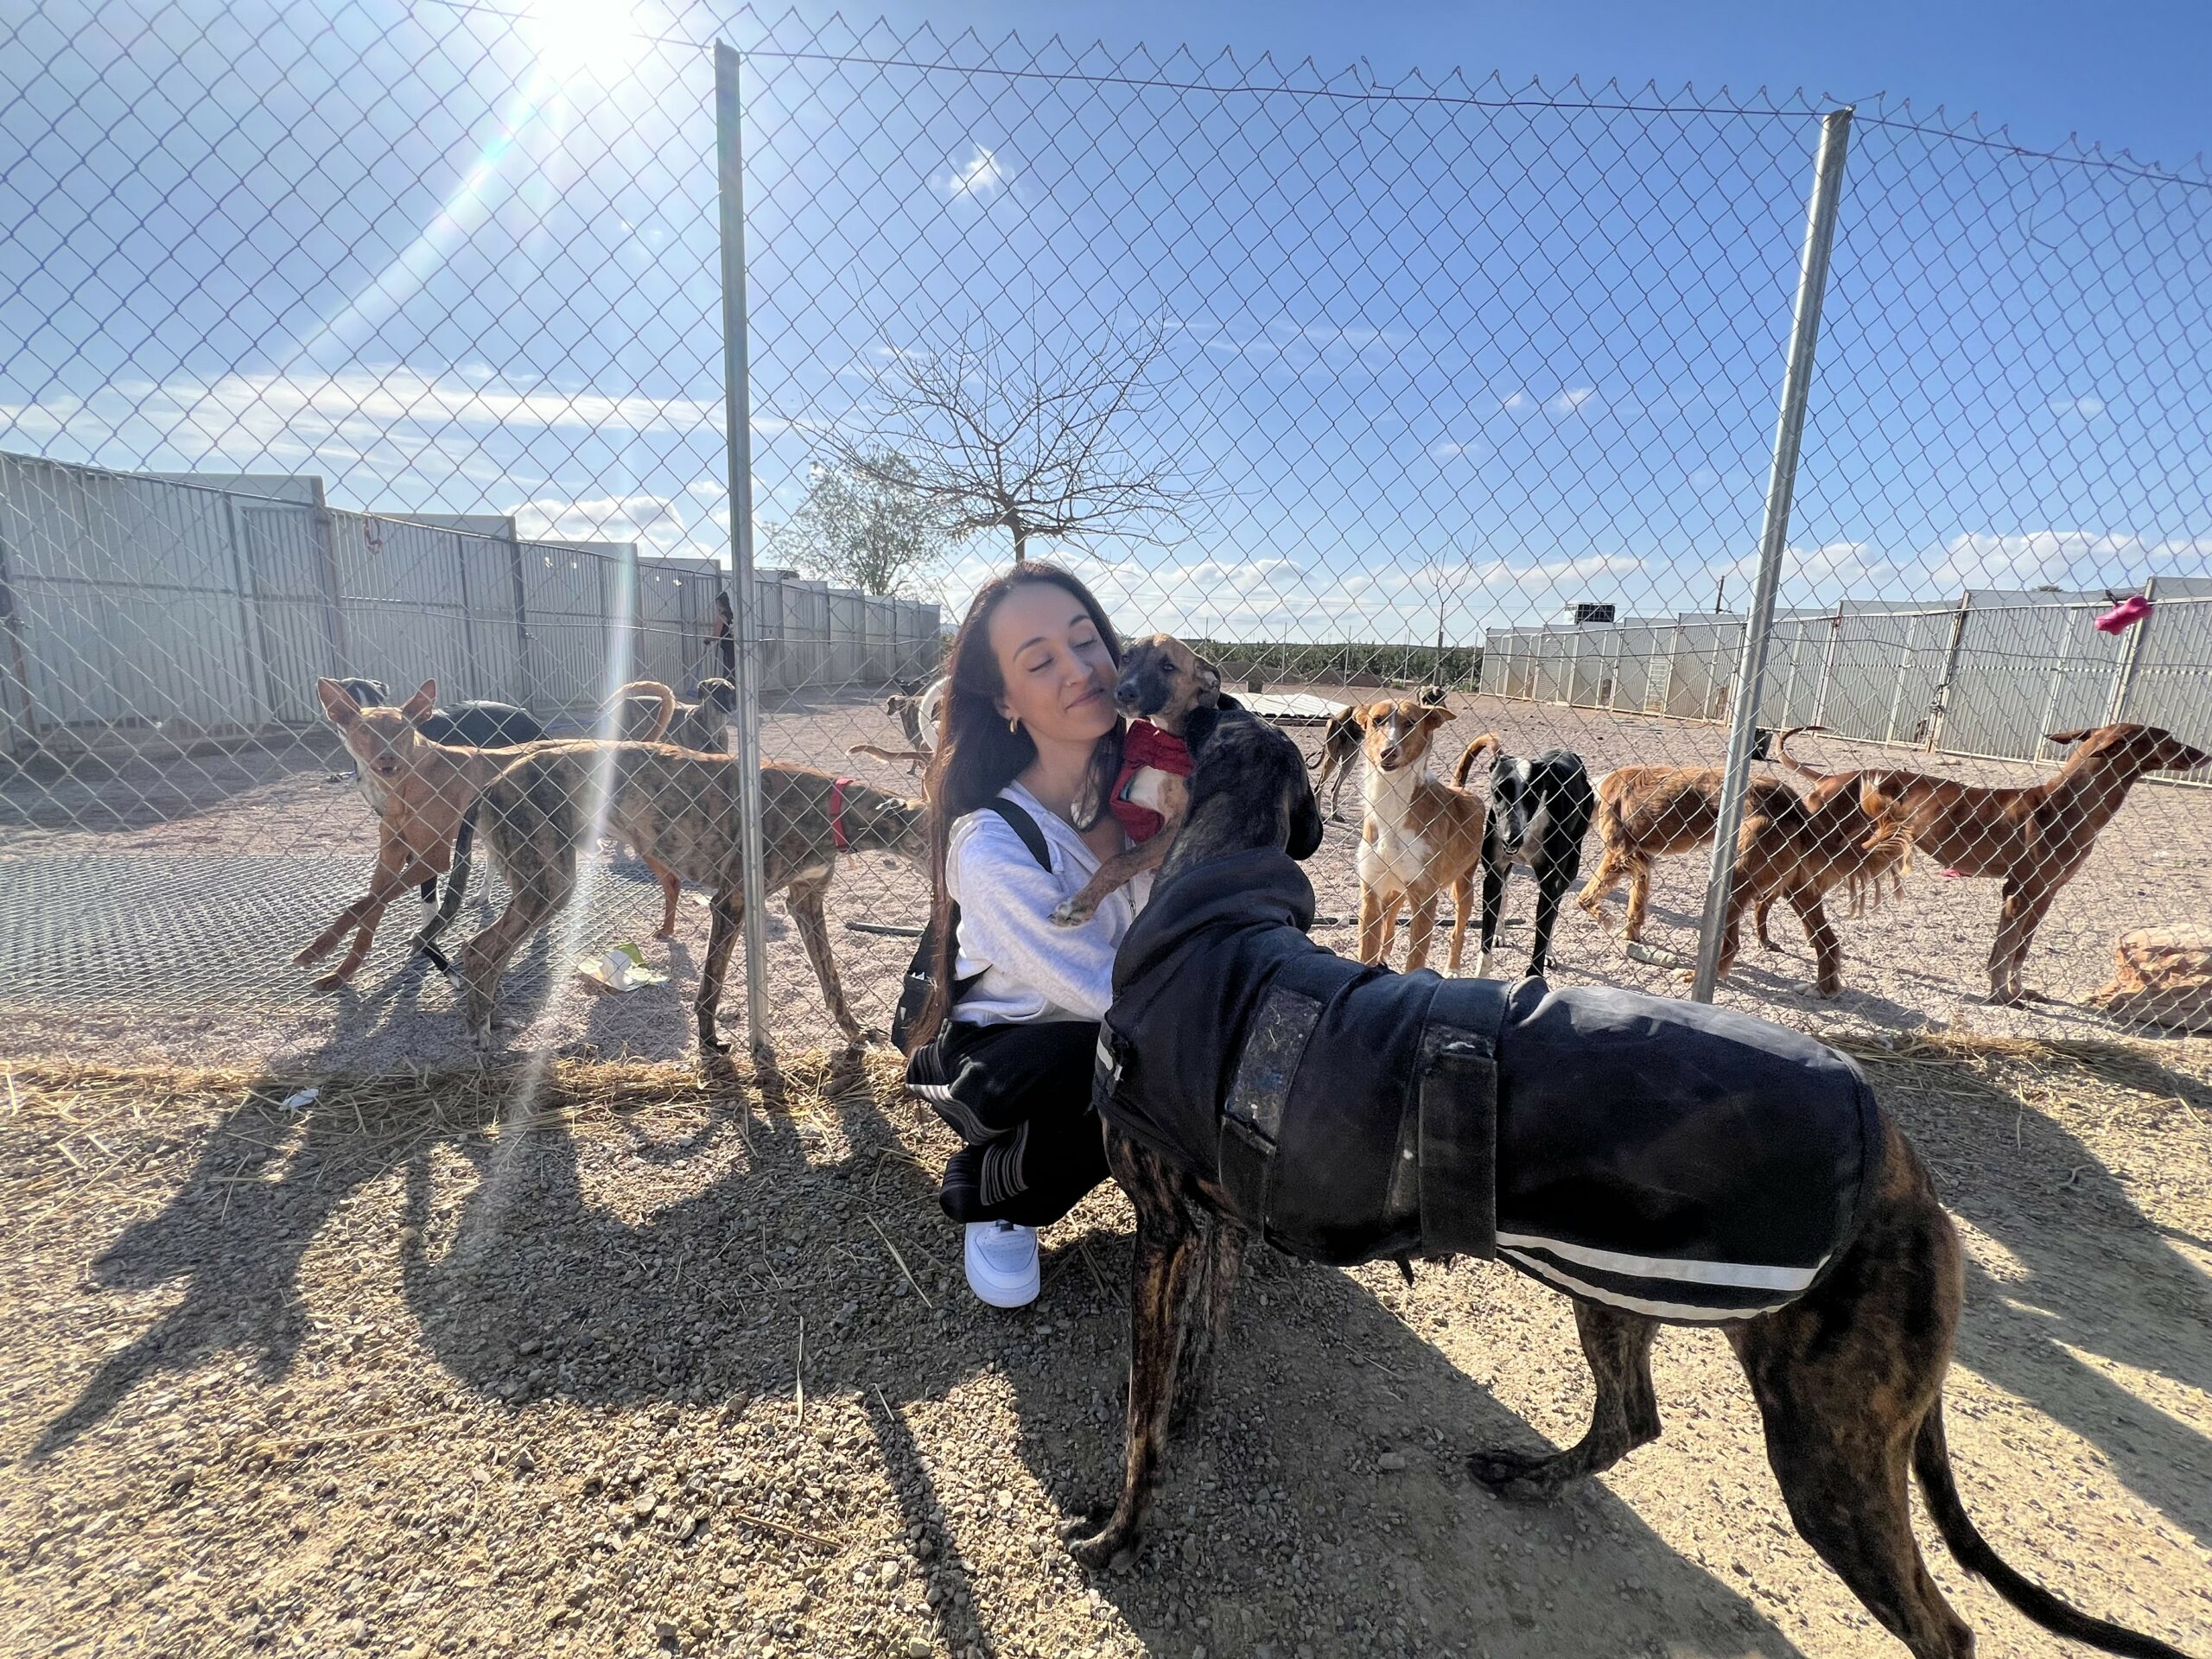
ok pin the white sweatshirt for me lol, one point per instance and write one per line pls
(1033, 971)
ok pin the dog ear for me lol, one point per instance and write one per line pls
(1210, 675)
(421, 703)
(1305, 821)
(1438, 713)
(338, 705)
(1198, 726)
(2072, 737)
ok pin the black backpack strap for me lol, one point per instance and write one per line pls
(1018, 820)
(916, 991)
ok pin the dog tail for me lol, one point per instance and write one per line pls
(888, 754)
(650, 688)
(1487, 740)
(1931, 1461)
(1782, 756)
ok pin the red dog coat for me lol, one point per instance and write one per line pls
(1146, 746)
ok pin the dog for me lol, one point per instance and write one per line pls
(1800, 850)
(701, 726)
(1340, 745)
(425, 794)
(1163, 681)
(1847, 1356)
(1340, 740)
(1419, 836)
(1646, 812)
(2034, 837)
(476, 723)
(1539, 810)
(679, 809)
(918, 710)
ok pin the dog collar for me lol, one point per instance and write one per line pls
(838, 812)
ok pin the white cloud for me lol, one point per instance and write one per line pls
(981, 176)
(1445, 450)
(1518, 400)
(2082, 406)
(1572, 399)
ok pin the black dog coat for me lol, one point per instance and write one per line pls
(1664, 1156)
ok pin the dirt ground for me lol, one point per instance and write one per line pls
(593, 1359)
(151, 913)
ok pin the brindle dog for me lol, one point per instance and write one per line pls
(1849, 1378)
(679, 809)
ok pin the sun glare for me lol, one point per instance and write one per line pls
(575, 37)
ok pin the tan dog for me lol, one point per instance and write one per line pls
(1419, 836)
(2035, 838)
(422, 792)
(679, 809)
(1164, 681)
(1339, 745)
(1800, 850)
(1645, 813)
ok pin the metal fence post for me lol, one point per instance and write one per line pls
(737, 413)
(1942, 700)
(1781, 483)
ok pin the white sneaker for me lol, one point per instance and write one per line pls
(1002, 1263)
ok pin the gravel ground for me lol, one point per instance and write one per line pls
(590, 1359)
(152, 914)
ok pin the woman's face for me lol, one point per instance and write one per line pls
(1058, 673)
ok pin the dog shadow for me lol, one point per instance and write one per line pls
(266, 1182)
(2089, 1274)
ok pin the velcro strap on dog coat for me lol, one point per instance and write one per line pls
(1457, 1143)
(1251, 1118)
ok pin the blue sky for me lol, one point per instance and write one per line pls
(1426, 336)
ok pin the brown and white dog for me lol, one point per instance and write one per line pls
(1163, 681)
(1418, 838)
(2034, 838)
(1340, 747)
(424, 793)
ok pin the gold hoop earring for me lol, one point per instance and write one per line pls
(1014, 723)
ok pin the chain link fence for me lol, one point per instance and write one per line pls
(395, 348)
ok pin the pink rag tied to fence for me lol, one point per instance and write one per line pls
(2123, 615)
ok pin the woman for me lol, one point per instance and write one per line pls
(1002, 1048)
(725, 635)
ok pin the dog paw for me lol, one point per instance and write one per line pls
(1092, 1521)
(1108, 1551)
(1072, 914)
(330, 982)
(1512, 1474)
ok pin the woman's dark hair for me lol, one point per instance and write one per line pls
(721, 604)
(976, 756)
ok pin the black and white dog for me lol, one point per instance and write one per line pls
(474, 723)
(1539, 810)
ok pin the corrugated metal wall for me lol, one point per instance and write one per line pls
(1989, 675)
(212, 603)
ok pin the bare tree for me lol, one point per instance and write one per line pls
(1044, 448)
